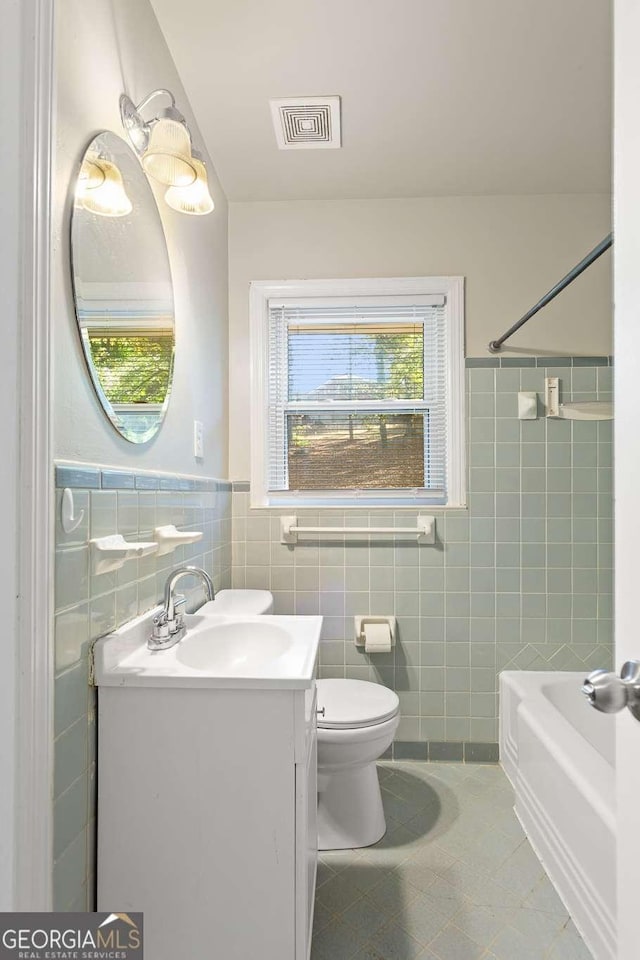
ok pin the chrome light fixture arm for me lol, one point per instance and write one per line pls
(160, 92)
(138, 129)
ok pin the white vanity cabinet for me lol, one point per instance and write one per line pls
(207, 819)
(207, 816)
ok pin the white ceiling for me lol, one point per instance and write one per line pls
(438, 96)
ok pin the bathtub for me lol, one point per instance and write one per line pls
(559, 754)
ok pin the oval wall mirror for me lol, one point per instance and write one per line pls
(122, 288)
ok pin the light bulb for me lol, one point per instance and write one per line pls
(194, 199)
(101, 189)
(168, 155)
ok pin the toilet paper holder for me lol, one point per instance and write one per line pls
(361, 622)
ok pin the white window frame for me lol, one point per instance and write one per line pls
(261, 292)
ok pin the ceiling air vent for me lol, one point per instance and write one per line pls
(307, 123)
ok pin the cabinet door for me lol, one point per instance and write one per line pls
(306, 845)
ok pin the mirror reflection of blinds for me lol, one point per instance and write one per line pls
(357, 395)
(127, 321)
(122, 331)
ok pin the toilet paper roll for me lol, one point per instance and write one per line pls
(377, 638)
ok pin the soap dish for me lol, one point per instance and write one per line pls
(169, 537)
(110, 553)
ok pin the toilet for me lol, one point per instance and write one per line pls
(356, 723)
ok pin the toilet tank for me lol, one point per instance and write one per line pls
(239, 602)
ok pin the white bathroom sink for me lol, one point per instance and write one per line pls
(234, 647)
(217, 651)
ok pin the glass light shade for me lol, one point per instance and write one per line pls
(168, 155)
(101, 189)
(91, 175)
(194, 199)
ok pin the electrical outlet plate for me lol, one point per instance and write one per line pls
(198, 439)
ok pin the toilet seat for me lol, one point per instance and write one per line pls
(352, 704)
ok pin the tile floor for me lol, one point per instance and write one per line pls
(453, 879)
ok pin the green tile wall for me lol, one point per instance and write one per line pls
(88, 606)
(522, 579)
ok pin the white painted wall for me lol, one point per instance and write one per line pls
(511, 250)
(10, 48)
(627, 455)
(108, 47)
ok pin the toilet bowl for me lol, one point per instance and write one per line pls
(356, 723)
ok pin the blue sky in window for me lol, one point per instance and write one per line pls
(315, 359)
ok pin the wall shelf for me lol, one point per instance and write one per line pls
(112, 552)
(578, 410)
(169, 538)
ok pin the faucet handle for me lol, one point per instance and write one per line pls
(161, 627)
(179, 610)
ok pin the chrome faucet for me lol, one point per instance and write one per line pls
(169, 627)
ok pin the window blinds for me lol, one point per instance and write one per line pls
(357, 396)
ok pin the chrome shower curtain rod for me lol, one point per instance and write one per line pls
(496, 345)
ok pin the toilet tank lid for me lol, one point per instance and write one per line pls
(354, 703)
(249, 602)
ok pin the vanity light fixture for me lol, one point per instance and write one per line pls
(196, 198)
(163, 143)
(101, 188)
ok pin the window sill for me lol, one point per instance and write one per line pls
(348, 507)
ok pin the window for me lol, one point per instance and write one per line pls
(357, 392)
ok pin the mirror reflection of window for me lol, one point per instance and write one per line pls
(134, 364)
(134, 367)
